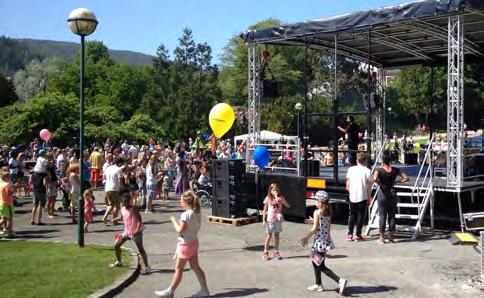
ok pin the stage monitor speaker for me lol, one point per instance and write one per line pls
(230, 206)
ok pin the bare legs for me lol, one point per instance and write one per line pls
(180, 265)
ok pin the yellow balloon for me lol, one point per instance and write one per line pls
(221, 119)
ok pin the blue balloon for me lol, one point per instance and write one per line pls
(261, 156)
(206, 136)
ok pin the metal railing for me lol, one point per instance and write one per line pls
(275, 148)
(427, 179)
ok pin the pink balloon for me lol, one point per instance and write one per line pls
(45, 134)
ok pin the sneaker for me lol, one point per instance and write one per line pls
(277, 255)
(342, 285)
(265, 256)
(116, 264)
(146, 270)
(315, 288)
(349, 238)
(201, 293)
(168, 293)
(359, 238)
(40, 223)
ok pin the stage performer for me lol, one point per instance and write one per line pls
(358, 184)
(387, 199)
(351, 132)
(321, 222)
(272, 218)
(187, 247)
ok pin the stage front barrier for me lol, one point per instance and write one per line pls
(285, 156)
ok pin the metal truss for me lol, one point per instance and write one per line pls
(253, 104)
(455, 100)
(380, 115)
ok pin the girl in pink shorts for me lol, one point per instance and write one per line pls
(187, 247)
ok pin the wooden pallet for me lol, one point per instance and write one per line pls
(233, 221)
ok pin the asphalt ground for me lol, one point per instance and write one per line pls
(232, 258)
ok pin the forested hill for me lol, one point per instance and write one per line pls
(21, 51)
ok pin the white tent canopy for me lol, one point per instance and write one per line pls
(265, 135)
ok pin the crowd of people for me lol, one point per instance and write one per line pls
(133, 176)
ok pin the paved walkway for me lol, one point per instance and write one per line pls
(231, 257)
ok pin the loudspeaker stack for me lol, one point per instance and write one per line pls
(227, 179)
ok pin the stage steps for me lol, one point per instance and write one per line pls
(413, 200)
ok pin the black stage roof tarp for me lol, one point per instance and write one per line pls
(406, 34)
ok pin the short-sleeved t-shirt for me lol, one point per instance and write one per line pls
(112, 173)
(41, 165)
(359, 177)
(193, 226)
(14, 166)
(5, 198)
(273, 208)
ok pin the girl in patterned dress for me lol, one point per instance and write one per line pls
(322, 243)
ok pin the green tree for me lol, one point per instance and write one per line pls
(185, 52)
(34, 79)
(7, 91)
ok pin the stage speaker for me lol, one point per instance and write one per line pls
(410, 158)
(233, 206)
(226, 187)
(225, 168)
(375, 101)
(269, 88)
(221, 207)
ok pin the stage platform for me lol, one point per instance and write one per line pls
(440, 183)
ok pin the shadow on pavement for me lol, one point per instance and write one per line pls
(336, 256)
(38, 234)
(155, 222)
(257, 247)
(241, 292)
(355, 290)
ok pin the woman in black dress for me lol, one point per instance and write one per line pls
(385, 177)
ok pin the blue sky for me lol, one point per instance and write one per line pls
(143, 24)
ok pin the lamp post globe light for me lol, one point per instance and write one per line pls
(82, 22)
(298, 107)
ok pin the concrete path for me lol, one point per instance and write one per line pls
(231, 258)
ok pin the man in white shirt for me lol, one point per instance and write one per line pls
(358, 184)
(113, 175)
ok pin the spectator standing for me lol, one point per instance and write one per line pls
(358, 184)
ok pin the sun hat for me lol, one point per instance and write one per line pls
(322, 196)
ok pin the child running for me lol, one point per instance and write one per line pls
(271, 219)
(187, 247)
(88, 205)
(6, 203)
(133, 230)
(322, 243)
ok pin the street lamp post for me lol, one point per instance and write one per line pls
(82, 22)
(298, 108)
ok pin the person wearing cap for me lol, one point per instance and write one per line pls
(322, 243)
(358, 184)
(6, 203)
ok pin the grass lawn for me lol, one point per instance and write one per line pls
(29, 269)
